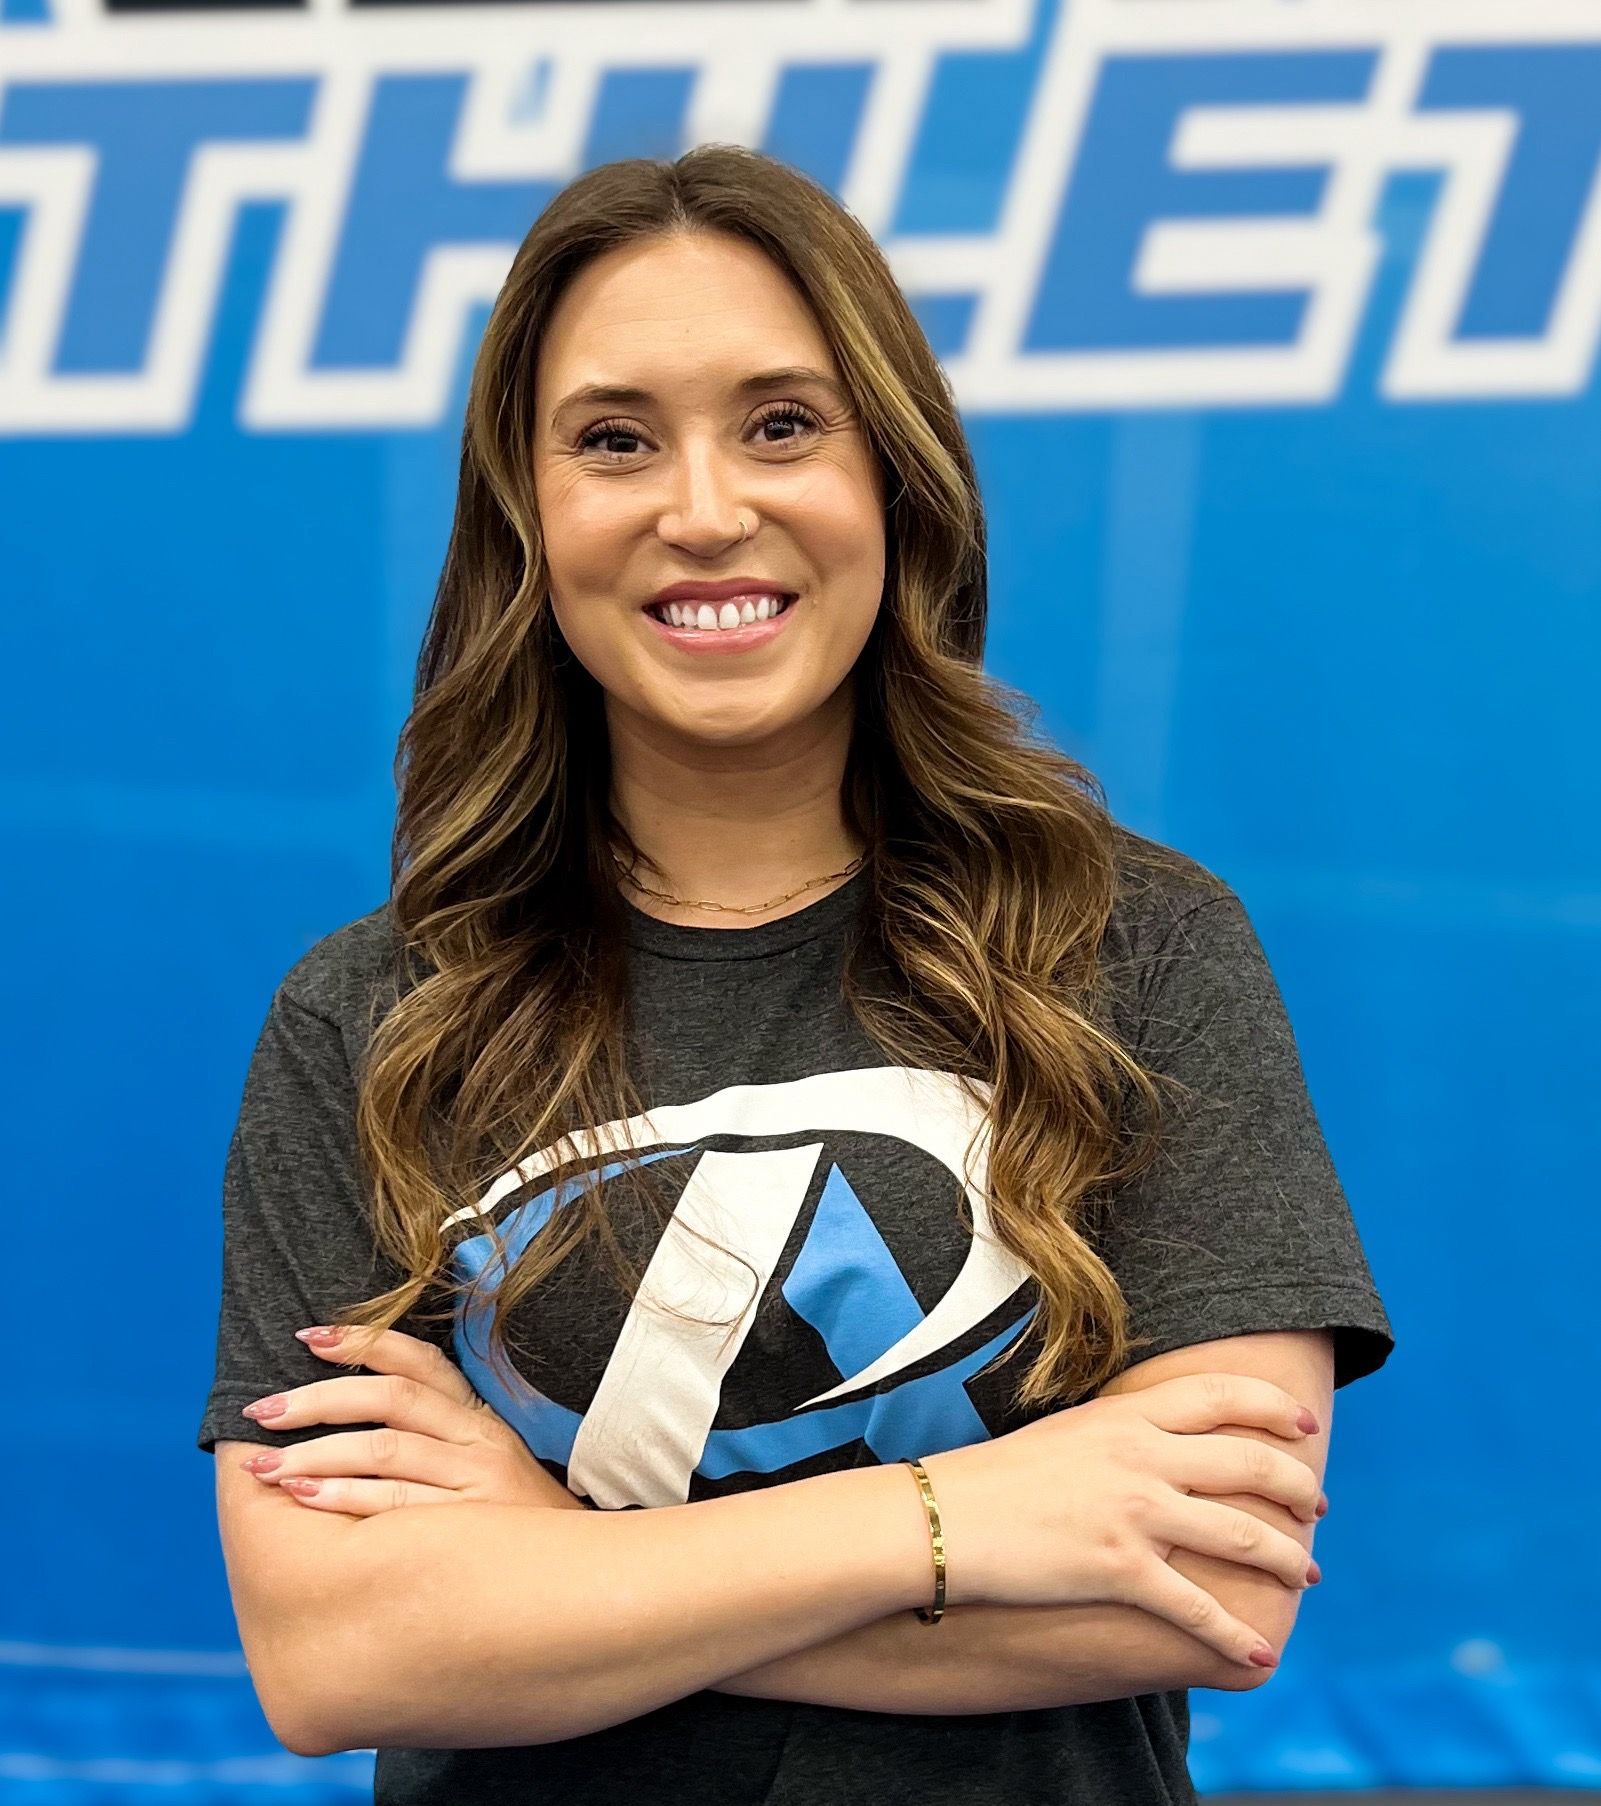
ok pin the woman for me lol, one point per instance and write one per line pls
(766, 1040)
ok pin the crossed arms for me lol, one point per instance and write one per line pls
(1014, 1658)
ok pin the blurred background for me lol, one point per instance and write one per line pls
(1274, 326)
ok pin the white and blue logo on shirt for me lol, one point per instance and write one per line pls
(649, 1426)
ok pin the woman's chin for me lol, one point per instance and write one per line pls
(722, 725)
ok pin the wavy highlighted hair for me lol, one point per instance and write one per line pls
(994, 863)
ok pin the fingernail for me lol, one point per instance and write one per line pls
(302, 1487)
(322, 1334)
(1313, 1573)
(1264, 1657)
(266, 1407)
(1307, 1422)
(1322, 1503)
(262, 1464)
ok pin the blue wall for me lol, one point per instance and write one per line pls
(1301, 558)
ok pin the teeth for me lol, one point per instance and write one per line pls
(742, 613)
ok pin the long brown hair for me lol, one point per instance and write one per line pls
(994, 863)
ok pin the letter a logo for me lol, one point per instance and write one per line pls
(755, 1155)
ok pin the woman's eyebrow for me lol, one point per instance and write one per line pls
(626, 394)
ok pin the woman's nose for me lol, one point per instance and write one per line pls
(710, 525)
(707, 506)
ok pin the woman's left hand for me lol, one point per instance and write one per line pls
(438, 1442)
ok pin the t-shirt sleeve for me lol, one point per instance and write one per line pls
(1241, 1224)
(297, 1248)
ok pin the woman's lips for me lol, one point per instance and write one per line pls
(724, 639)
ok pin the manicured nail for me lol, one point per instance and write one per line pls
(1307, 1422)
(302, 1487)
(1264, 1657)
(1313, 1573)
(266, 1407)
(322, 1334)
(262, 1464)
(1322, 1503)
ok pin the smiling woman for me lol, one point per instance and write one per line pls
(767, 1038)
(747, 448)
(743, 455)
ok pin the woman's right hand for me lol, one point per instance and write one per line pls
(1085, 1505)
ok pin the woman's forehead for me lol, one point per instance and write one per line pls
(696, 319)
(710, 378)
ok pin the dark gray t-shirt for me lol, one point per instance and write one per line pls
(782, 1130)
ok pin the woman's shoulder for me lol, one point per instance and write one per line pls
(1178, 935)
(348, 973)
(1181, 948)
(1158, 888)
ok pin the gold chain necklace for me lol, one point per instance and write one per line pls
(742, 909)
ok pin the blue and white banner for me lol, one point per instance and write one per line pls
(1164, 202)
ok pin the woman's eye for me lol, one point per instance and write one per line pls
(607, 429)
(788, 414)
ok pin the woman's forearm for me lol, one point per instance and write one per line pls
(1013, 1658)
(482, 1625)
(993, 1658)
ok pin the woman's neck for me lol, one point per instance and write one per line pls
(737, 825)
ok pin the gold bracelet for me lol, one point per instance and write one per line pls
(938, 1537)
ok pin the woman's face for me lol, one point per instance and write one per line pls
(643, 492)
